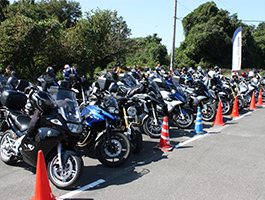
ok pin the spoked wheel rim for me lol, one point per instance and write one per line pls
(152, 129)
(114, 150)
(6, 150)
(68, 175)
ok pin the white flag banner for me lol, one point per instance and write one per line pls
(237, 49)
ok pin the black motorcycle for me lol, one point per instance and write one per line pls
(128, 111)
(200, 96)
(148, 91)
(57, 132)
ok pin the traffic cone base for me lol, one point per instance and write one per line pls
(235, 109)
(42, 187)
(219, 116)
(198, 129)
(164, 144)
(252, 103)
(260, 102)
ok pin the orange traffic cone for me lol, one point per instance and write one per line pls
(164, 144)
(42, 187)
(253, 101)
(260, 103)
(219, 116)
(235, 109)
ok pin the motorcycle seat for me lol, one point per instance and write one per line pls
(21, 120)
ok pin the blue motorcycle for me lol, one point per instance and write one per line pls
(177, 105)
(112, 148)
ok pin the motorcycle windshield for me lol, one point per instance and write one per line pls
(4, 84)
(110, 101)
(67, 105)
(155, 88)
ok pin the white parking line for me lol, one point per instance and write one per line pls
(191, 140)
(86, 187)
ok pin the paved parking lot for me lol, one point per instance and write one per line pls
(226, 163)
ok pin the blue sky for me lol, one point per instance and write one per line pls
(146, 17)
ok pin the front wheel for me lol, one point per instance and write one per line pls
(242, 103)
(183, 119)
(226, 105)
(136, 138)
(7, 153)
(69, 175)
(116, 152)
(151, 128)
(208, 112)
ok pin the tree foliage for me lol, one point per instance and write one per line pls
(147, 51)
(209, 32)
(26, 43)
(259, 37)
(97, 39)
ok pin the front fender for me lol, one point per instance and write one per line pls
(67, 153)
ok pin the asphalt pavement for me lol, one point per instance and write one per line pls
(225, 163)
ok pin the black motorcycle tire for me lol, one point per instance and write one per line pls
(6, 154)
(209, 113)
(226, 105)
(74, 163)
(136, 139)
(150, 129)
(187, 122)
(121, 149)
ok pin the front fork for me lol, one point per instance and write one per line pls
(59, 154)
(154, 115)
(129, 131)
(181, 112)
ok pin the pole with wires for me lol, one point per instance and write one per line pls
(173, 39)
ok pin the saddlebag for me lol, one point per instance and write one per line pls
(13, 99)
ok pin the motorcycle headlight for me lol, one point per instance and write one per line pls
(113, 110)
(132, 111)
(75, 128)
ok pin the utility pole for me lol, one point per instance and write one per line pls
(173, 40)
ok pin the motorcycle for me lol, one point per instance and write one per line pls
(117, 106)
(147, 91)
(176, 101)
(56, 134)
(112, 148)
(199, 95)
(128, 112)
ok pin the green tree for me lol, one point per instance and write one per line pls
(67, 12)
(259, 37)
(98, 39)
(208, 39)
(3, 5)
(29, 45)
(147, 51)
